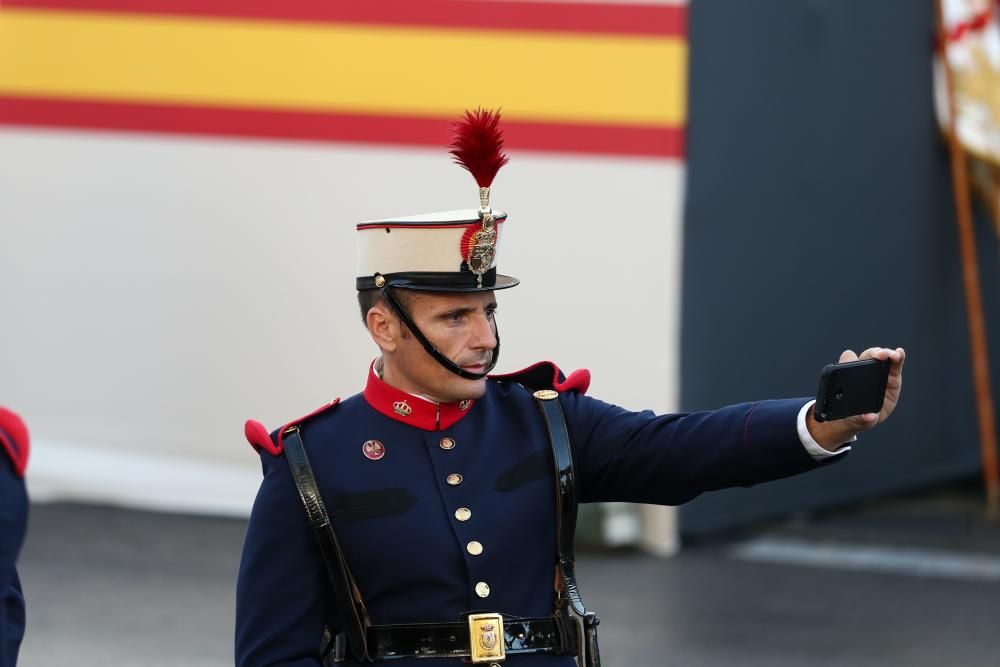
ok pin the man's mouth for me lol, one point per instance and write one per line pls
(475, 368)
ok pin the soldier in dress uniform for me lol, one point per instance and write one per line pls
(428, 520)
(13, 523)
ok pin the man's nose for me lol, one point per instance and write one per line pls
(485, 334)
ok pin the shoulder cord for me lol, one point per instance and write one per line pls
(568, 603)
(345, 592)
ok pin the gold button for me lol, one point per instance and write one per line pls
(483, 589)
(379, 281)
(474, 548)
(454, 479)
(546, 394)
(463, 514)
(446, 443)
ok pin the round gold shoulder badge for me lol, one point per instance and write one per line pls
(373, 449)
(546, 394)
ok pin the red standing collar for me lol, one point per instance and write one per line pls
(412, 410)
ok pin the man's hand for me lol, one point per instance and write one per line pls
(832, 434)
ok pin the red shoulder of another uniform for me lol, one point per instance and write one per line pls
(546, 375)
(14, 439)
(260, 439)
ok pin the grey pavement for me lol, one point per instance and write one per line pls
(109, 586)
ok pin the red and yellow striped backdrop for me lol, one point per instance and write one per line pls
(576, 77)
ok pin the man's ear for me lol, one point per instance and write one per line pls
(383, 327)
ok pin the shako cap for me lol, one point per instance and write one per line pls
(448, 251)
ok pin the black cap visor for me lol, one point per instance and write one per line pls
(458, 281)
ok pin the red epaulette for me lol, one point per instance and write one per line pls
(14, 440)
(259, 438)
(546, 375)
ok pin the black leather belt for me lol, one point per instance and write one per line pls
(452, 640)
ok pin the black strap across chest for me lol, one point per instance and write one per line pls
(367, 643)
(569, 602)
(345, 592)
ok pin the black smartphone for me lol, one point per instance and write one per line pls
(851, 388)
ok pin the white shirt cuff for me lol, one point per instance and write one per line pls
(815, 451)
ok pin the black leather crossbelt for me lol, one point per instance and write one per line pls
(451, 640)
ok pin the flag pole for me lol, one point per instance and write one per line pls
(973, 296)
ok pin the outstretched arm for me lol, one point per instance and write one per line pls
(670, 459)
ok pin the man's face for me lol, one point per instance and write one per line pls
(461, 326)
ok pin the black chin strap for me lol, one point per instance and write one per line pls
(429, 347)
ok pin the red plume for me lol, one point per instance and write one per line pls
(478, 145)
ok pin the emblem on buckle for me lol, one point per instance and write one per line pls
(486, 643)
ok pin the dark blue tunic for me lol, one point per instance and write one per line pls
(396, 519)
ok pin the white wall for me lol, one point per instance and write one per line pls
(156, 292)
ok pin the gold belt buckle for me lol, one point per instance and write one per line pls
(486, 639)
